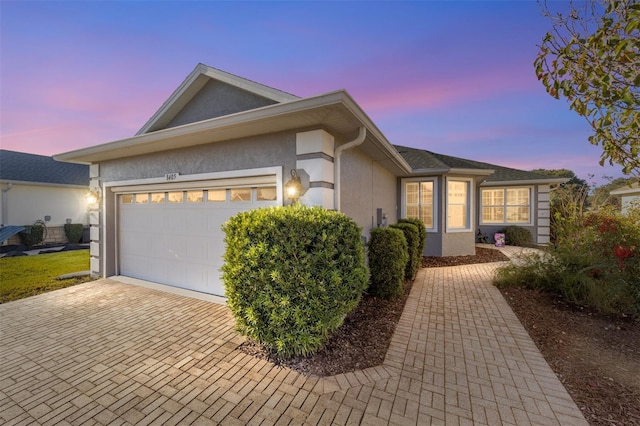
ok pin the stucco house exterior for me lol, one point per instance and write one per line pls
(629, 196)
(37, 187)
(222, 144)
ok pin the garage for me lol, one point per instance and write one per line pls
(171, 234)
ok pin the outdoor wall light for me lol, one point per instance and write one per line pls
(93, 198)
(294, 186)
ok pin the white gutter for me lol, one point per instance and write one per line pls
(362, 134)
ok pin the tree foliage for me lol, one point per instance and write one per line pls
(565, 173)
(591, 57)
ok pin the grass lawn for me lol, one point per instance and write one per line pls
(26, 276)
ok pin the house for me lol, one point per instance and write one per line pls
(39, 188)
(222, 144)
(629, 196)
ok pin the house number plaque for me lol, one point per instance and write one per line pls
(171, 176)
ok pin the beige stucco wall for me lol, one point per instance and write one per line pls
(24, 204)
(367, 186)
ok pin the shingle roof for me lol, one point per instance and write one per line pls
(420, 159)
(20, 166)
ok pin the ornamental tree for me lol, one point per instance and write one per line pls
(591, 57)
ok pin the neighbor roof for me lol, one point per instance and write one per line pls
(423, 161)
(23, 167)
(632, 189)
(195, 81)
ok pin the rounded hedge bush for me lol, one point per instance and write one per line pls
(292, 274)
(73, 232)
(32, 235)
(412, 236)
(388, 257)
(517, 236)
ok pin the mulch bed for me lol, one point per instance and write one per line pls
(362, 341)
(596, 357)
(483, 255)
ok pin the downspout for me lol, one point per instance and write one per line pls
(336, 164)
(5, 209)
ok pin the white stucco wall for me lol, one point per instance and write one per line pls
(630, 201)
(24, 204)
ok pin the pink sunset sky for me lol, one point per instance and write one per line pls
(452, 77)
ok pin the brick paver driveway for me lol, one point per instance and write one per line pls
(112, 353)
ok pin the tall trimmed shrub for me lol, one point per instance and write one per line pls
(388, 257)
(422, 231)
(73, 232)
(292, 274)
(412, 236)
(32, 235)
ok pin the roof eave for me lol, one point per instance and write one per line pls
(451, 171)
(526, 182)
(34, 183)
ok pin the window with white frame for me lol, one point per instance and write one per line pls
(506, 205)
(458, 205)
(419, 201)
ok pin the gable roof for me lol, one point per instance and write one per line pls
(423, 161)
(33, 168)
(336, 112)
(194, 82)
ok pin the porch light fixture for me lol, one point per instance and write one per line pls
(294, 186)
(93, 198)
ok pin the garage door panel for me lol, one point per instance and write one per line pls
(179, 244)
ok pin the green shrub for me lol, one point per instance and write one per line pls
(388, 257)
(422, 231)
(292, 274)
(412, 236)
(517, 236)
(74, 232)
(598, 265)
(32, 235)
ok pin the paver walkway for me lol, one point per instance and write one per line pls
(106, 352)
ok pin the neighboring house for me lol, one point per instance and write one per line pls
(222, 144)
(39, 188)
(629, 196)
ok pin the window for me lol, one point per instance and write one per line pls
(419, 201)
(126, 198)
(194, 196)
(241, 194)
(157, 197)
(217, 195)
(175, 196)
(458, 202)
(142, 198)
(506, 205)
(268, 193)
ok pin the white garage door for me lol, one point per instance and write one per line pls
(173, 237)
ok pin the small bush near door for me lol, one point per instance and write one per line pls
(517, 236)
(73, 232)
(292, 274)
(388, 257)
